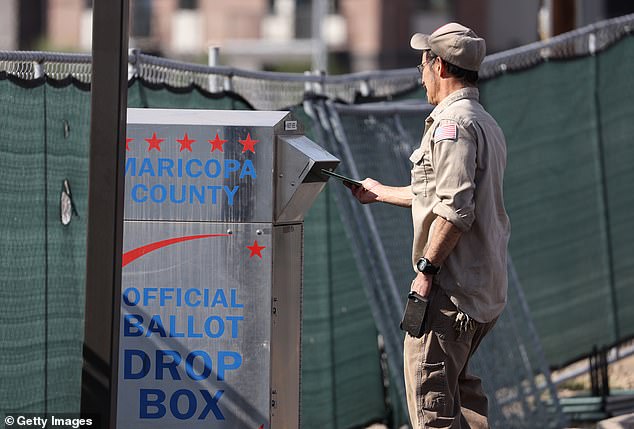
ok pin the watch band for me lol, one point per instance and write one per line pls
(425, 266)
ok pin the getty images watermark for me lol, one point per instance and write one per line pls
(51, 421)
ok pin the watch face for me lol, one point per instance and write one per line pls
(426, 267)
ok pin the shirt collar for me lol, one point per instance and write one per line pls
(468, 92)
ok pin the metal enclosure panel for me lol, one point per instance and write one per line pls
(299, 180)
(201, 355)
(286, 325)
(192, 179)
(211, 289)
(224, 118)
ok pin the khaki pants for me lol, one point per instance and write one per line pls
(440, 391)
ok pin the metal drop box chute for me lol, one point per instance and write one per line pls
(212, 268)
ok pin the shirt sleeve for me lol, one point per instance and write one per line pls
(454, 161)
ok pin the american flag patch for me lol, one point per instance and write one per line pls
(446, 132)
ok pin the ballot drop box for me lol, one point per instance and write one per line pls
(212, 268)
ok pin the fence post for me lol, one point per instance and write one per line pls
(109, 94)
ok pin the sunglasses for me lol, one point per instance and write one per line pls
(421, 66)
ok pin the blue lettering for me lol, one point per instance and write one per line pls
(165, 164)
(146, 167)
(231, 165)
(193, 190)
(132, 325)
(162, 193)
(128, 373)
(179, 166)
(171, 365)
(191, 407)
(189, 365)
(221, 327)
(208, 171)
(234, 324)
(188, 299)
(157, 402)
(234, 299)
(173, 331)
(248, 169)
(135, 195)
(212, 405)
(224, 365)
(230, 193)
(156, 326)
(147, 295)
(188, 169)
(126, 296)
(219, 298)
(213, 190)
(191, 328)
(164, 296)
(130, 166)
(173, 194)
(151, 404)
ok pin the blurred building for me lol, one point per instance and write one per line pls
(340, 35)
(22, 24)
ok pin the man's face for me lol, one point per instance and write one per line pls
(429, 79)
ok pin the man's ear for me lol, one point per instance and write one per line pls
(442, 68)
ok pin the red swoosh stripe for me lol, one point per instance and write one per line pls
(133, 254)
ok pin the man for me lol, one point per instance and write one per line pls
(461, 232)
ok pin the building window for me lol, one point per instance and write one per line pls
(188, 4)
(432, 5)
(141, 11)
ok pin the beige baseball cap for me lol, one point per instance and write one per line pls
(453, 43)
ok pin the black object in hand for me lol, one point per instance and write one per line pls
(414, 316)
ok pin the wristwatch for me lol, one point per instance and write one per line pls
(425, 266)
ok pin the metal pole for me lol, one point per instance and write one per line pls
(320, 52)
(214, 60)
(105, 209)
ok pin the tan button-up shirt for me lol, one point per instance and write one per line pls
(457, 174)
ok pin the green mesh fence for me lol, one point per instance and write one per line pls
(44, 142)
(143, 94)
(23, 249)
(568, 190)
(67, 129)
(615, 95)
(340, 356)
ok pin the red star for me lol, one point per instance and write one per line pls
(128, 140)
(248, 144)
(217, 143)
(154, 143)
(256, 249)
(186, 143)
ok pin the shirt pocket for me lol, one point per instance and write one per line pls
(417, 156)
(421, 172)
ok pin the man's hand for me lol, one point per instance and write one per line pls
(365, 193)
(373, 191)
(422, 284)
